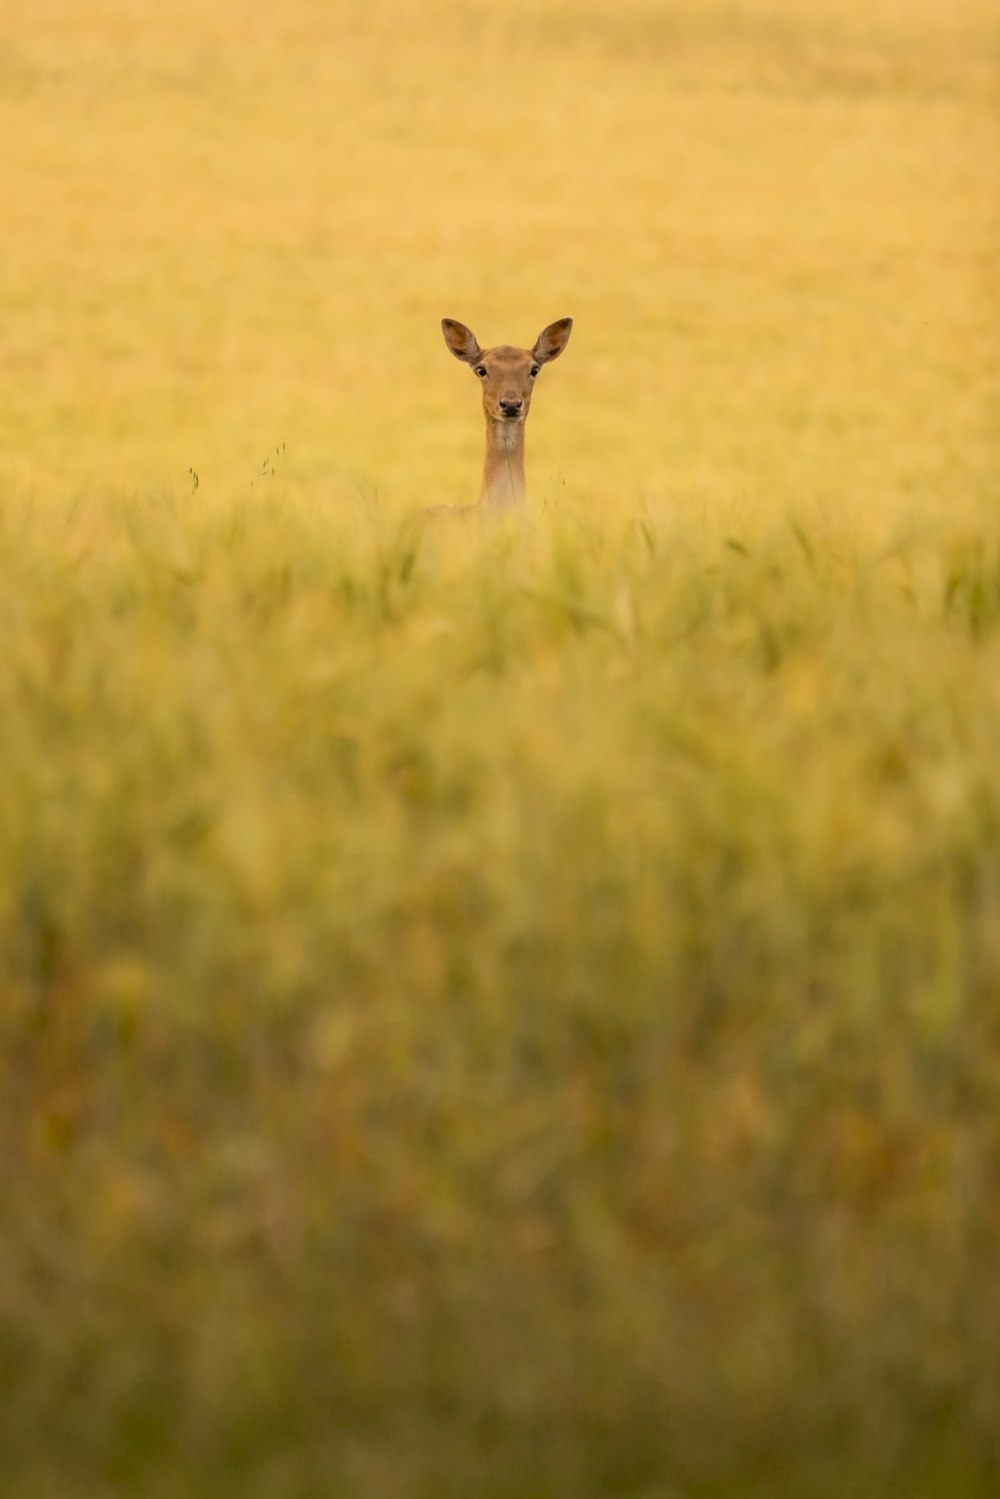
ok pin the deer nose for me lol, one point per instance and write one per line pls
(510, 405)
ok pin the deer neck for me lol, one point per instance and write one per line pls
(503, 469)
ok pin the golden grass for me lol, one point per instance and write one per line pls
(777, 235)
(508, 1013)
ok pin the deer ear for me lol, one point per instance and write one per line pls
(552, 340)
(461, 340)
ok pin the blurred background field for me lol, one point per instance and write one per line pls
(510, 1015)
(775, 224)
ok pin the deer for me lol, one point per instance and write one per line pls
(507, 376)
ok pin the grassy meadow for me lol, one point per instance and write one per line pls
(500, 1013)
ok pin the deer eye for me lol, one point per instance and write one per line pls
(481, 371)
(534, 370)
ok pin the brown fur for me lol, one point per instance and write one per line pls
(507, 375)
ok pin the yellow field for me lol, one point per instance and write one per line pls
(775, 224)
(508, 1015)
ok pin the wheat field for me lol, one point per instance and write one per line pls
(500, 1012)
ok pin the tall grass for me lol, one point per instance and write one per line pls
(500, 1016)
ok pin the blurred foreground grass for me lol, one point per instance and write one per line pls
(510, 1016)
